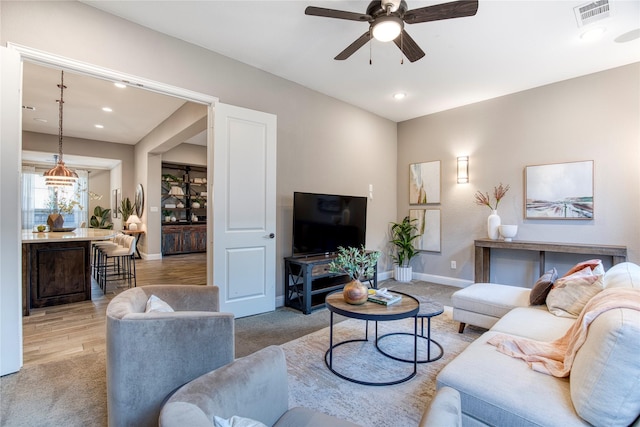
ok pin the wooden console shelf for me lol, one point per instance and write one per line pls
(308, 281)
(483, 253)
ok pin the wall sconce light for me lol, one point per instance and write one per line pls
(463, 170)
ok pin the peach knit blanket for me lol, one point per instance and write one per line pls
(556, 357)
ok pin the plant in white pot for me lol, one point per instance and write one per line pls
(403, 235)
(359, 264)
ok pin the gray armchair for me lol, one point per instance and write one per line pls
(252, 387)
(149, 355)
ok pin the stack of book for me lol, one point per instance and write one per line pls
(384, 299)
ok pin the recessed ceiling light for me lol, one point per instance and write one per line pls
(593, 34)
(107, 109)
(120, 85)
(398, 96)
(39, 119)
(99, 126)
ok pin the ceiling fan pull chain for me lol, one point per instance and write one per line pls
(401, 48)
(370, 61)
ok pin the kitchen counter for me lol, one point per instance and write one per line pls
(56, 266)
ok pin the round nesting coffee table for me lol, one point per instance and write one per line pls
(407, 307)
(428, 309)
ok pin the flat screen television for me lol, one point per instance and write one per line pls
(323, 222)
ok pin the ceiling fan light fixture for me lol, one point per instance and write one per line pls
(387, 28)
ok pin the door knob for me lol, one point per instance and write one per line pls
(271, 235)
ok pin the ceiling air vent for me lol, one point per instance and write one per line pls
(592, 12)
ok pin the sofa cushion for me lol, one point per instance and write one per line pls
(542, 287)
(623, 275)
(499, 390)
(605, 377)
(444, 410)
(570, 294)
(533, 322)
(490, 299)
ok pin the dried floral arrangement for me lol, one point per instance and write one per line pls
(483, 199)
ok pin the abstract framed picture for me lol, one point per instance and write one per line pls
(559, 191)
(424, 183)
(428, 223)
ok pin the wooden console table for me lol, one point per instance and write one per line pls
(483, 253)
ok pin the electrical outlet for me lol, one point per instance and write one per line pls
(453, 265)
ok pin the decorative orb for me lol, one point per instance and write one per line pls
(508, 232)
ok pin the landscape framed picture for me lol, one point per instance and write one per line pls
(424, 183)
(559, 191)
(428, 223)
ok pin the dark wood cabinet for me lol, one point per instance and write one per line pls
(57, 273)
(184, 214)
(183, 239)
(308, 280)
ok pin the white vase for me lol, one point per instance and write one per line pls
(493, 225)
(403, 274)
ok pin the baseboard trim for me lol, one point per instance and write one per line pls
(441, 280)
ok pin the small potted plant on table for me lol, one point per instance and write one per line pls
(403, 235)
(358, 264)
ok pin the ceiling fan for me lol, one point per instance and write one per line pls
(386, 20)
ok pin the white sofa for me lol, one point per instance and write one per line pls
(603, 388)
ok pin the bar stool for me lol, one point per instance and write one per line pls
(122, 265)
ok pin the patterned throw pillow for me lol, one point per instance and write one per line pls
(541, 289)
(570, 294)
(592, 263)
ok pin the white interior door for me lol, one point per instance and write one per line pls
(244, 209)
(10, 240)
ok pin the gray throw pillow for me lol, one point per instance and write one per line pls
(540, 290)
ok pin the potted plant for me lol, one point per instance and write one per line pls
(100, 218)
(403, 235)
(358, 264)
(126, 209)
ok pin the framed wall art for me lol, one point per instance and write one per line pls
(424, 183)
(559, 191)
(428, 223)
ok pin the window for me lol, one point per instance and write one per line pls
(38, 200)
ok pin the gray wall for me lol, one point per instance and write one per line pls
(595, 117)
(324, 145)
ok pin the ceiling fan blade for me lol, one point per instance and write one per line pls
(339, 14)
(353, 47)
(455, 9)
(409, 47)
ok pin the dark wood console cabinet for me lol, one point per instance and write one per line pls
(308, 281)
(184, 239)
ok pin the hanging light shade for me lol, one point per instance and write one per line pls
(60, 175)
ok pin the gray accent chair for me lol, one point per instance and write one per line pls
(252, 387)
(149, 355)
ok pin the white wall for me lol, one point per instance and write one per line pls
(595, 117)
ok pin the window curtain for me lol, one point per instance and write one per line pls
(28, 197)
(81, 216)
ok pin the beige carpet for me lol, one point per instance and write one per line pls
(72, 392)
(312, 385)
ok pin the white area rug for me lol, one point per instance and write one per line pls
(312, 385)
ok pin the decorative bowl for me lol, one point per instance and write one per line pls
(508, 232)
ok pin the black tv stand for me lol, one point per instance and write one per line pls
(308, 281)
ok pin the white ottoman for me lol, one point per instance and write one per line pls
(482, 304)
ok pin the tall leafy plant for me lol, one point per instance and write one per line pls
(126, 209)
(403, 235)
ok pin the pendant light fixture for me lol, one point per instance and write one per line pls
(60, 175)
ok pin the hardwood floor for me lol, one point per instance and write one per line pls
(53, 333)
